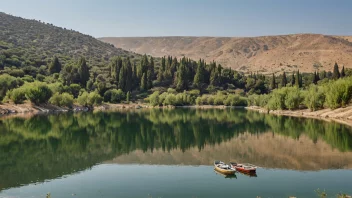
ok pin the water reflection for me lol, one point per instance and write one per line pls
(49, 146)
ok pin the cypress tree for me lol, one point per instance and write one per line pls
(122, 78)
(144, 82)
(273, 83)
(161, 70)
(135, 80)
(55, 66)
(129, 78)
(115, 66)
(343, 72)
(315, 79)
(298, 79)
(83, 71)
(198, 78)
(284, 80)
(293, 79)
(150, 74)
(336, 73)
(323, 75)
(181, 77)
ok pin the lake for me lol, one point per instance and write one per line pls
(169, 153)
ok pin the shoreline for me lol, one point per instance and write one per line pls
(341, 115)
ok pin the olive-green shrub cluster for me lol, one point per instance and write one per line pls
(338, 93)
(35, 92)
(89, 99)
(222, 99)
(7, 83)
(331, 94)
(171, 98)
(62, 100)
(114, 96)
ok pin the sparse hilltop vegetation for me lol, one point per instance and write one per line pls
(41, 64)
(264, 54)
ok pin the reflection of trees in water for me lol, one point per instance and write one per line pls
(44, 147)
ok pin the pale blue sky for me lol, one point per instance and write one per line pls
(189, 17)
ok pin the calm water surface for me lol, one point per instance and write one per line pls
(169, 153)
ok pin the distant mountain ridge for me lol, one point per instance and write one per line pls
(265, 54)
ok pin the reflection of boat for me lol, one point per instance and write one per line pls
(223, 168)
(244, 168)
(254, 174)
(226, 176)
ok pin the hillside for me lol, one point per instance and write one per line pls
(307, 52)
(26, 42)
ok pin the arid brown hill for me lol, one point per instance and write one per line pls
(307, 52)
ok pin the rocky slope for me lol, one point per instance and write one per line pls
(266, 54)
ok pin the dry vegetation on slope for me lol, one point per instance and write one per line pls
(307, 52)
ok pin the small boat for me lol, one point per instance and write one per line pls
(223, 168)
(226, 176)
(244, 168)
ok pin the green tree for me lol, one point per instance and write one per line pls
(283, 80)
(181, 77)
(298, 80)
(144, 82)
(336, 73)
(293, 79)
(150, 74)
(83, 71)
(343, 74)
(273, 82)
(128, 95)
(129, 77)
(38, 93)
(199, 76)
(161, 70)
(115, 66)
(55, 66)
(122, 77)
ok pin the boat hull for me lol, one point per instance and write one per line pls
(225, 172)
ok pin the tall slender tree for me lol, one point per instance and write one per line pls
(273, 82)
(129, 78)
(293, 80)
(343, 72)
(283, 80)
(298, 79)
(198, 78)
(144, 82)
(83, 71)
(55, 66)
(336, 73)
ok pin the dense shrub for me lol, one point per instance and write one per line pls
(89, 99)
(83, 99)
(154, 99)
(293, 97)
(38, 93)
(62, 100)
(277, 100)
(314, 97)
(166, 98)
(74, 89)
(114, 96)
(338, 93)
(8, 82)
(17, 95)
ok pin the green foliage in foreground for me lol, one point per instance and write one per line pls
(331, 94)
(62, 100)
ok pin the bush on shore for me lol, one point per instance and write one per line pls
(62, 100)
